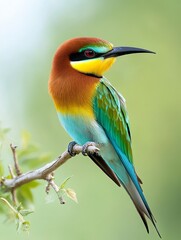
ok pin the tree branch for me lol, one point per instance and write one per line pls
(16, 165)
(44, 172)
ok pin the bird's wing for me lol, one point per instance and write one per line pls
(110, 112)
(109, 108)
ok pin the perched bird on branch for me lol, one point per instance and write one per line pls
(91, 110)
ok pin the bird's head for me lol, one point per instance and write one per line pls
(90, 56)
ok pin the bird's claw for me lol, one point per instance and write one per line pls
(70, 148)
(85, 147)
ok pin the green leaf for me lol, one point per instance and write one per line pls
(1, 169)
(23, 152)
(33, 184)
(25, 195)
(19, 207)
(62, 186)
(26, 212)
(35, 160)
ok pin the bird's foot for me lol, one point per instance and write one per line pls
(85, 147)
(70, 148)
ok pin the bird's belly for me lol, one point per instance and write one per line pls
(83, 129)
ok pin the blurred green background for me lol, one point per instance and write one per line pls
(30, 33)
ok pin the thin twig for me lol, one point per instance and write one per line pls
(17, 214)
(11, 171)
(16, 165)
(13, 191)
(51, 183)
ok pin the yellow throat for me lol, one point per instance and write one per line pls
(96, 66)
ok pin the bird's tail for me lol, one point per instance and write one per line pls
(141, 204)
(131, 182)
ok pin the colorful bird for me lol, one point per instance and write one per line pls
(91, 110)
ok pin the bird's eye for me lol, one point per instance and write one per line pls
(89, 53)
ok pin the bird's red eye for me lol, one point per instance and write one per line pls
(89, 53)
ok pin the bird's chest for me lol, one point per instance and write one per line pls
(74, 97)
(83, 129)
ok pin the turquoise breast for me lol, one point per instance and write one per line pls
(83, 129)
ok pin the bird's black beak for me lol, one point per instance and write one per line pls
(120, 51)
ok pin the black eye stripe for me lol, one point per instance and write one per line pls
(78, 56)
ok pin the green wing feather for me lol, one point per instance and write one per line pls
(111, 114)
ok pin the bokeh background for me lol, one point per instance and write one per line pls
(30, 32)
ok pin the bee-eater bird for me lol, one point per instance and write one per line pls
(91, 110)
